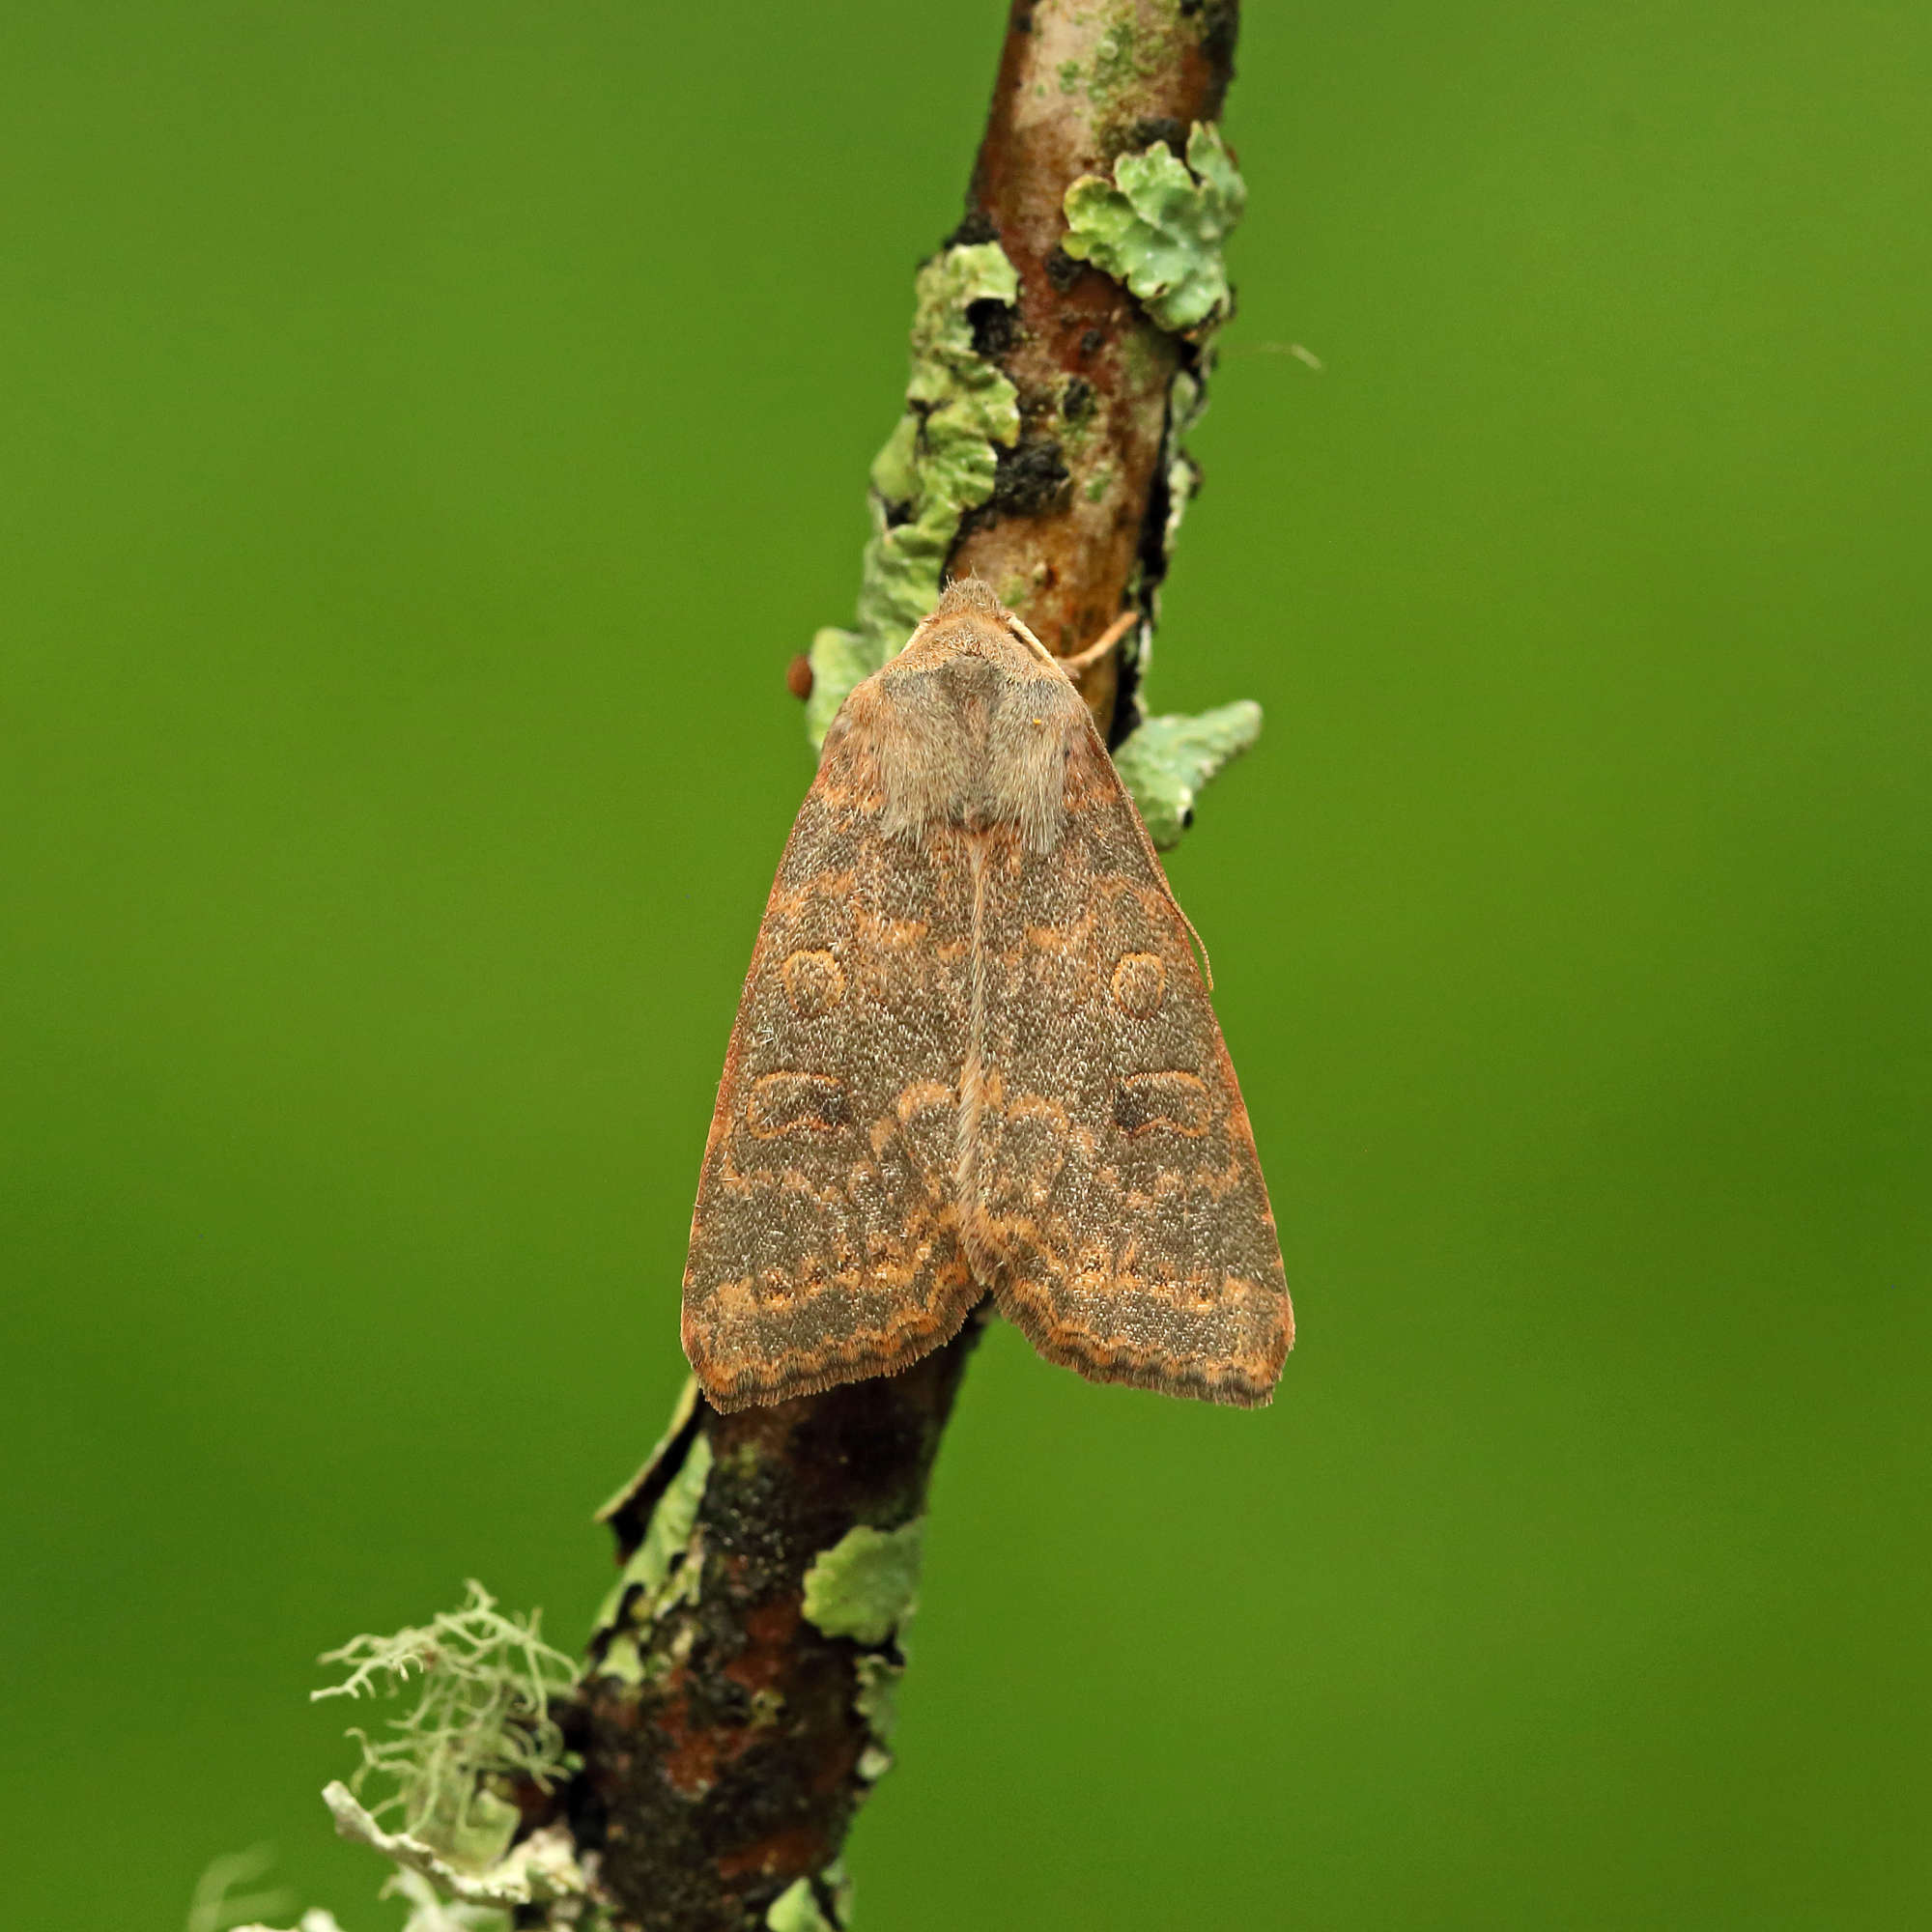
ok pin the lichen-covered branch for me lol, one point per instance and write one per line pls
(1061, 347)
(735, 1704)
(737, 1701)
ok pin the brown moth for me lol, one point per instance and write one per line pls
(975, 1055)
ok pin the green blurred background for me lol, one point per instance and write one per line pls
(430, 429)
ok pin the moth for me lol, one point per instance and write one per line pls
(975, 1055)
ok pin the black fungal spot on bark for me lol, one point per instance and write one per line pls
(995, 328)
(1029, 479)
(975, 228)
(1062, 270)
(1220, 24)
(1154, 127)
(1076, 400)
(1093, 342)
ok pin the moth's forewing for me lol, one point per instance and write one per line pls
(1118, 1178)
(824, 1245)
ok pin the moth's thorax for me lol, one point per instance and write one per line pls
(966, 727)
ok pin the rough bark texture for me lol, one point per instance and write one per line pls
(1075, 525)
(728, 1739)
(732, 1768)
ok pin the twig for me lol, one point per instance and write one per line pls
(736, 1704)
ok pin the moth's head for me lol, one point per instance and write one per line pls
(968, 593)
(969, 618)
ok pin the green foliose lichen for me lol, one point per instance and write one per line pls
(671, 1521)
(1158, 226)
(865, 1586)
(665, 1538)
(939, 462)
(877, 1703)
(1167, 761)
(796, 1909)
(622, 1658)
(639, 1591)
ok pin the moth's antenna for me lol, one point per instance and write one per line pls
(1082, 661)
(1024, 635)
(1096, 651)
(1193, 934)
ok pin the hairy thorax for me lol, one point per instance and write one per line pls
(965, 729)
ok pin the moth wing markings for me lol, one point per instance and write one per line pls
(1119, 1183)
(824, 1244)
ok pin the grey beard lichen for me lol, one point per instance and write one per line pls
(477, 1721)
(480, 1714)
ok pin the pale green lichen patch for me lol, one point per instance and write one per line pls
(878, 1702)
(866, 1585)
(796, 1909)
(621, 1659)
(1186, 405)
(1168, 761)
(939, 462)
(1118, 61)
(1158, 226)
(671, 1523)
(840, 660)
(648, 1479)
(664, 1570)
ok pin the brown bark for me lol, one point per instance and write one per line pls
(1074, 526)
(727, 1765)
(735, 1767)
